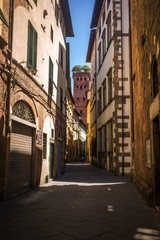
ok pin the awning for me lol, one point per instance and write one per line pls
(3, 18)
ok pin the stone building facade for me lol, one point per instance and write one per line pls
(111, 20)
(81, 85)
(145, 98)
(34, 70)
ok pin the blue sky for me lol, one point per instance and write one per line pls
(81, 14)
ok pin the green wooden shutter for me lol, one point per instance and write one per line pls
(35, 51)
(29, 54)
(32, 47)
(50, 76)
(35, 1)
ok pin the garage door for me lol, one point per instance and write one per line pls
(20, 161)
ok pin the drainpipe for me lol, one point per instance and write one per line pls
(131, 83)
(9, 66)
(10, 41)
(131, 93)
(122, 94)
(96, 92)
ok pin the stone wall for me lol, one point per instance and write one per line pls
(145, 40)
(3, 94)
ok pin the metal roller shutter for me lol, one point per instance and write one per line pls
(20, 161)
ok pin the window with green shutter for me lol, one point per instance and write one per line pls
(32, 47)
(50, 88)
(35, 1)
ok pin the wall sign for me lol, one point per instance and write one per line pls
(39, 137)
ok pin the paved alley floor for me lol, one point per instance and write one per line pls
(85, 203)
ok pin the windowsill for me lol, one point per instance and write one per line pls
(107, 105)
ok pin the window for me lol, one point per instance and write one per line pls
(77, 86)
(61, 57)
(77, 79)
(104, 15)
(109, 30)
(104, 42)
(32, 47)
(61, 99)
(104, 139)
(104, 93)
(51, 34)
(99, 54)
(52, 133)
(77, 98)
(99, 30)
(100, 101)
(81, 112)
(85, 79)
(35, 1)
(108, 2)
(110, 85)
(44, 145)
(56, 11)
(100, 140)
(50, 88)
(84, 99)
(81, 87)
(81, 78)
(84, 86)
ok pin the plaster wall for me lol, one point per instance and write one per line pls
(45, 47)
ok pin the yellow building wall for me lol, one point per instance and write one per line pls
(88, 128)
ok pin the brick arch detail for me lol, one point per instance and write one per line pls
(20, 96)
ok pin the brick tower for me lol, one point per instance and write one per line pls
(81, 85)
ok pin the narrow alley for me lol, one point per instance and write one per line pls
(85, 203)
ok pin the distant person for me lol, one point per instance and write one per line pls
(82, 159)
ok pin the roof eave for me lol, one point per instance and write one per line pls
(91, 44)
(67, 18)
(96, 13)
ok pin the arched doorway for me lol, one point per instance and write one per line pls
(20, 168)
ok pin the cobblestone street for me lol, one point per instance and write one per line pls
(85, 203)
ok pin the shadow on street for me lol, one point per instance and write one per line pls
(85, 203)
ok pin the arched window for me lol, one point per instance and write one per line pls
(22, 110)
(154, 78)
